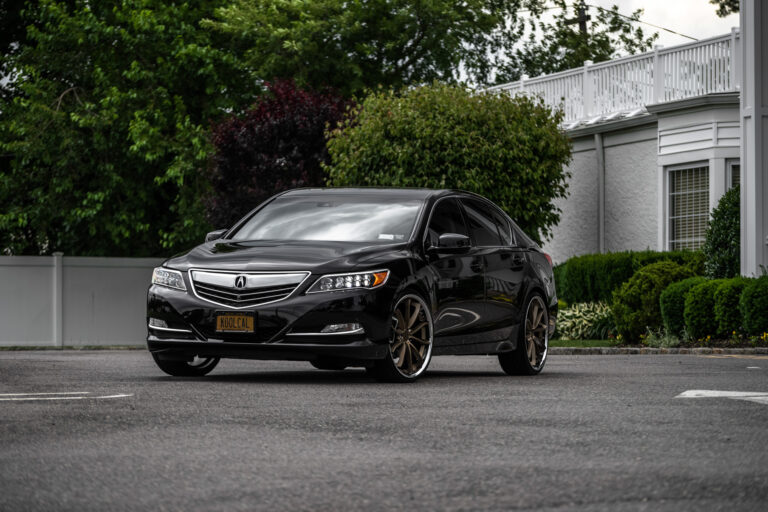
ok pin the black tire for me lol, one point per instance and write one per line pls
(195, 368)
(328, 364)
(532, 340)
(410, 344)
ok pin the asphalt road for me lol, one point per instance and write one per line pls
(589, 433)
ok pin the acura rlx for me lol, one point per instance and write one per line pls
(383, 279)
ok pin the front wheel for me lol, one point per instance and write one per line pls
(532, 341)
(410, 344)
(195, 368)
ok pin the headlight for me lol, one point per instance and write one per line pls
(169, 278)
(335, 282)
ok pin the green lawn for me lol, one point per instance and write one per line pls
(582, 343)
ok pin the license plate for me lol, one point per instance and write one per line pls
(234, 323)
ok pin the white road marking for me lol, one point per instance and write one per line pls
(753, 367)
(40, 394)
(759, 397)
(27, 397)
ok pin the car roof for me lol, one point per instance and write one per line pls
(401, 193)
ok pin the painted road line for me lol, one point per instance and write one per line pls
(48, 398)
(750, 396)
(41, 394)
(735, 356)
(753, 367)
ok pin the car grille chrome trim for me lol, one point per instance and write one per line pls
(218, 287)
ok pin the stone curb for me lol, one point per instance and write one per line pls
(617, 351)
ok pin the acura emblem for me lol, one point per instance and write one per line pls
(240, 282)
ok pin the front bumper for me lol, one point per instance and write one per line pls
(288, 329)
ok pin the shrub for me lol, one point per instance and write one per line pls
(636, 304)
(276, 145)
(507, 148)
(594, 277)
(699, 306)
(727, 313)
(722, 245)
(591, 320)
(753, 305)
(672, 304)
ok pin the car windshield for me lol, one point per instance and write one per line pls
(333, 218)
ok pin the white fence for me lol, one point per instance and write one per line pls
(620, 85)
(69, 301)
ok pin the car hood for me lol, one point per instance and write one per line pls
(315, 256)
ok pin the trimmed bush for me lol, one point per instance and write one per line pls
(672, 304)
(727, 313)
(636, 304)
(753, 305)
(594, 277)
(591, 320)
(722, 246)
(699, 306)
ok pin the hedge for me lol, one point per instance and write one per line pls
(753, 306)
(727, 313)
(636, 303)
(699, 306)
(672, 304)
(594, 277)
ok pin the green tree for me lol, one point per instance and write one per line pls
(725, 7)
(105, 138)
(560, 45)
(351, 45)
(509, 149)
(722, 245)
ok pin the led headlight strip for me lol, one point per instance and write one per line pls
(169, 278)
(351, 281)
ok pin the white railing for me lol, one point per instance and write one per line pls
(630, 83)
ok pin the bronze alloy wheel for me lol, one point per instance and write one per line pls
(536, 336)
(533, 341)
(410, 348)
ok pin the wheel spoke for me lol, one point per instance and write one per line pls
(400, 322)
(416, 339)
(401, 356)
(415, 315)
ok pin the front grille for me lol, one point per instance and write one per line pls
(256, 288)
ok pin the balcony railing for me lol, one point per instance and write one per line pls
(630, 83)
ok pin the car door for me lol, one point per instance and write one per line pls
(504, 265)
(459, 285)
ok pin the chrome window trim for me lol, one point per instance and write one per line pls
(248, 272)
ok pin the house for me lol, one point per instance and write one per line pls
(657, 140)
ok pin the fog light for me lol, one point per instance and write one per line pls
(341, 328)
(156, 322)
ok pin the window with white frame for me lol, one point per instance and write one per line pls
(734, 172)
(688, 206)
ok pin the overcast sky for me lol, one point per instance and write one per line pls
(695, 18)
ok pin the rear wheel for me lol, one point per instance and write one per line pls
(196, 368)
(532, 342)
(410, 344)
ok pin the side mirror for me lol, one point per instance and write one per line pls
(451, 243)
(215, 235)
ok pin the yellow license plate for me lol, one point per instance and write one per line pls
(234, 323)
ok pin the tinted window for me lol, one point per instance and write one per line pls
(502, 224)
(332, 218)
(481, 224)
(446, 218)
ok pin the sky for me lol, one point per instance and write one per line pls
(695, 18)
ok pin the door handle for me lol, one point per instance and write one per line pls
(476, 266)
(518, 259)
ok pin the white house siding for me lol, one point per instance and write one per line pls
(630, 190)
(577, 232)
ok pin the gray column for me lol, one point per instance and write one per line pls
(754, 136)
(58, 300)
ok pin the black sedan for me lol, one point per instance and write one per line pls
(376, 278)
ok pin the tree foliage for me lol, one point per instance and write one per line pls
(109, 127)
(725, 7)
(277, 144)
(722, 245)
(558, 46)
(509, 149)
(356, 45)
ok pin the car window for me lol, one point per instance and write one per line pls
(446, 218)
(481, 224)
